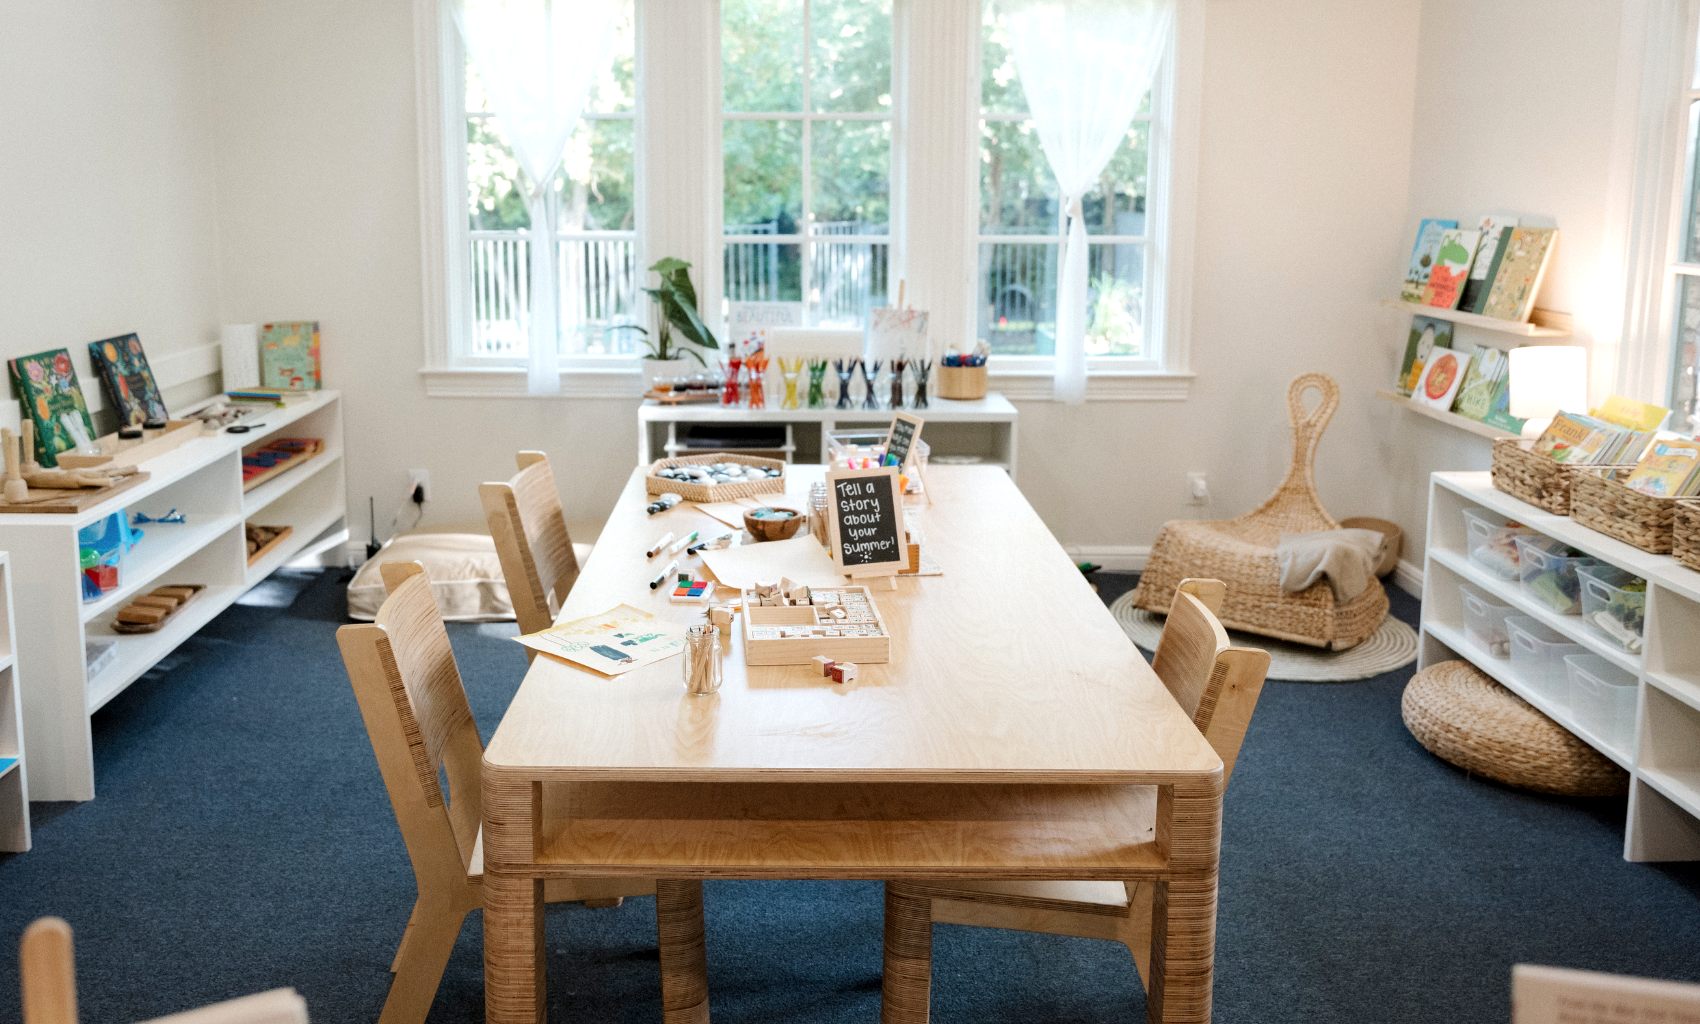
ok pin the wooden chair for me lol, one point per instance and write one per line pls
(48, 980)
(538, 558)
(1218, 685)
(420, 724)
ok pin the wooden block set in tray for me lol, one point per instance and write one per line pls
(841, 623)
(150, 612)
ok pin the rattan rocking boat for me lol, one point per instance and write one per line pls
(1241, 552)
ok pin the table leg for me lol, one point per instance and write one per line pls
(514, 980)
(1183, 912)
(684, 953)
(906, 988)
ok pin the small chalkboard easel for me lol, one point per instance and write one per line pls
(864, 520)
(900, 443)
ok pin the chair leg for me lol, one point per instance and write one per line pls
(420, 961)
(401, 947)
(684, 951)
(906, 988)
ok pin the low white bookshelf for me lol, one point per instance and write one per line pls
(1662, 754)
(14, 784)
(203, 480)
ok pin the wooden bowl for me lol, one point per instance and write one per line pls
(778, 524)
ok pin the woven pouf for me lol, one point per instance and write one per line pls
(1464, 717)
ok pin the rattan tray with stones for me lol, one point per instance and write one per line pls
(707, 485)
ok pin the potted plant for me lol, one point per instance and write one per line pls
(676, 309)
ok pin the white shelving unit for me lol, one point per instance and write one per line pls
(984, 427)
(14, 785)
(1663, 753)
(203, 480)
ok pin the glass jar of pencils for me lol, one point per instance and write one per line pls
(702, 660)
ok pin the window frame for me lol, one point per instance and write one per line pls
(1684, 206)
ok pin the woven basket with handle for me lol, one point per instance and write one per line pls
(1685, 533)
(1241, 552)
(1533, 478)
(1600, 501)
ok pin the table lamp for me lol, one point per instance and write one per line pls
(1545, 380)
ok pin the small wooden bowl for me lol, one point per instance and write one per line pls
(780, 524)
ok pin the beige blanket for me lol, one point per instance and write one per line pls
(1346, 557)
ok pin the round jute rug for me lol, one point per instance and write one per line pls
(1393, 646)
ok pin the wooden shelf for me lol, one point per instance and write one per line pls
(1543, 323)
(1451, 419)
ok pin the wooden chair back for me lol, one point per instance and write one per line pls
(420, 724)
(531, 538)
(1214, 682)
(48, 980)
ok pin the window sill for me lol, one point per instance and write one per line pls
(1015, 385)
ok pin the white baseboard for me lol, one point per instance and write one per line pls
(1115, 558)
(1409, 578)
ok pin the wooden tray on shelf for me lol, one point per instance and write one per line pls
(290, 452)
(184, 600)
(54, 501)
(266, 548)
(115, 452)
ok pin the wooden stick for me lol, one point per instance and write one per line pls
(16, 489)
(26, 450)
(900, 284)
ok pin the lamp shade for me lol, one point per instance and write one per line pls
(1548, 379)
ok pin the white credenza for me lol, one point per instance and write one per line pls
(1662, 754)
(203, 480)
(14, 785)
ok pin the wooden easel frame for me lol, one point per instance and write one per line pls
(891, 568)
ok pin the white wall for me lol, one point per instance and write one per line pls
(1303, 164)
(107, 178)
(1513, 113)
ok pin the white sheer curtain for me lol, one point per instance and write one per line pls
(1085, 65)
(538, 59)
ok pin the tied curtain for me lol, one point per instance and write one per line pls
(1085, 65)
(538, 60)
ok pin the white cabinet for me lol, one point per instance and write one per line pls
(203, 480)
(14, 786)
(1662, 750)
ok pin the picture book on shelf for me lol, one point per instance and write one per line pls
(1626, 412)
(289, 355)
(1441, 379)
(1451, 266)
(1427, 334)
(124, 374)
(1579, 440)
(1496, 235)
(1488, 366)
(1521, 269)
(1499, 410)
(47, 387)
(1422, 257)
(1669, 469)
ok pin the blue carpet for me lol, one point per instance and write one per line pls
(242, 840)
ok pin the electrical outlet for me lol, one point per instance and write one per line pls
(1197, 489)
(420, 479)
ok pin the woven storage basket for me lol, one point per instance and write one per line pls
(1462, 716)
(1599, 501)
(962, 383)
(1685, 533)
(716, 492)
(1533, 478)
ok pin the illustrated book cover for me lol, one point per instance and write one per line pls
(1496, 235)
(1427, 334)
(1499, 411)
(1451, 267)
(1441, 379)
(47, 387)
(1667, 470)
(1422, 257)
(124, 374)
(1488, 366)
(1521, 269)
(1626, 412)
(289, 355)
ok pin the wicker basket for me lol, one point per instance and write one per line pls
(963, 383)
(1600, 501)
(1533, 478)
(1685, 533)
(716, 492)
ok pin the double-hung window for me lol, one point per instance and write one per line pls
(806, 151)
(1685, 271)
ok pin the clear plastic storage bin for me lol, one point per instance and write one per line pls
(1484, 621)
(1614, 603)
(1548, 568)
(1537, 656)
(1492, 542)
(1602, 697)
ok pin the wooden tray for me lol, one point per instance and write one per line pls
(128, 628)
(266, 548)
(302, 449)
(800, 650)
(115, 452)
(53, 501)
(683, 397)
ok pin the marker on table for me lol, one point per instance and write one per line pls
(655, 549)
(682, 543)
(655, 584)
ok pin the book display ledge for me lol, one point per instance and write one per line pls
(1662, 753)
(202, 479)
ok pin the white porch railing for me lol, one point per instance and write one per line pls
(597, 282)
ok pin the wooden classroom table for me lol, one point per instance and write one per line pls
(1015, 734)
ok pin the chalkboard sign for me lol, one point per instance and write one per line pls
(905, 428)
(864, 519)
